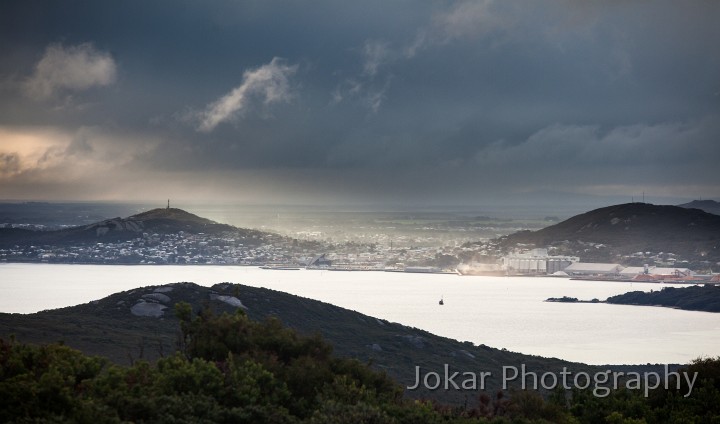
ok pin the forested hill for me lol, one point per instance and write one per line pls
(635, 227)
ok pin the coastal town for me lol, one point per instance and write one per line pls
(224, 249)
(272, 251)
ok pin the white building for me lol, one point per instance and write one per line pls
(536, 261)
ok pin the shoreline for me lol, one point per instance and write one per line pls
(270, 267)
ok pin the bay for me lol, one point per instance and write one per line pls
(501, 312)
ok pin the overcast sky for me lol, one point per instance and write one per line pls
(399, 101)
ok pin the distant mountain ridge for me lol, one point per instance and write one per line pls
(633, 227)
(709, 206)
(160, 220)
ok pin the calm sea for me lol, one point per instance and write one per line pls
(495, 311)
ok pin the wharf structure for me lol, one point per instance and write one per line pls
(647, 274)
(633, 271)
(583, 269)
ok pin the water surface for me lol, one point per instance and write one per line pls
(496, 311)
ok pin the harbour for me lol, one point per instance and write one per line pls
(502, 312)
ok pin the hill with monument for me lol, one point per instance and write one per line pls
(156, 221)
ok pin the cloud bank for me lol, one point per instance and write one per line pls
(71, 68)
(444, 102)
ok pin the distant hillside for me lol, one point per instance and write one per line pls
(634, 227)
(694, 298)
(61, 214)
(140, 323)
(709, 206)
(161, 221)
(172, 220)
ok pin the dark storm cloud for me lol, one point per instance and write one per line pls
(368, 99)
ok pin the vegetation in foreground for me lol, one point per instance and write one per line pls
(229, 368)
(108, 328)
